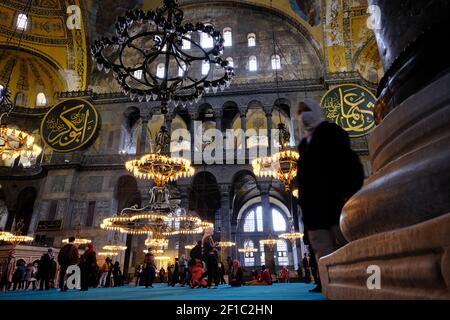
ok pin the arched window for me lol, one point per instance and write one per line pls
(138, 74)
(20, 99)
(161, 71)
(251, 37)
(279, 222)
(181, 69)
(262, 250)
(230, 61)
(22, 21)
(282, 253)
(186, 42)
(206, 41)
(228, 37)
(249, 257)
(1, 91)
(41, 100)
(252, 64)
(205, 67)
(253, 221)
(276, 62)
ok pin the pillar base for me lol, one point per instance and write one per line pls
(414, 263)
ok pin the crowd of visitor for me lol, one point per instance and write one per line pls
(42, 274)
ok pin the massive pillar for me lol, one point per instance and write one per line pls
(400, 221)
(225, 228)
(143, 145)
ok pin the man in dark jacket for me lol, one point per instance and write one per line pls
(329, 173)
(68, 256)
(45, 270)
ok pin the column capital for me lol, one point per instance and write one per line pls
(243, 110)
(224, 190)
(218, 113)
(264, 187)
(268, 111)
(194, 114)
(146, 117)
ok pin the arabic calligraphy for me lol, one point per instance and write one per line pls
(351, 107)
(70, 125)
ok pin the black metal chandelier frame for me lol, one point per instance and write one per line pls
(166, 36)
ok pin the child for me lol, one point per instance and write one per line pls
(197, 272)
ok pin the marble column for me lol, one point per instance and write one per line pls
(268, 224)
(268, 111)
(225, 228)
(143, 145)
(194, 116)
(399, 221)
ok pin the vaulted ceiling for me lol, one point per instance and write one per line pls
(336, 29)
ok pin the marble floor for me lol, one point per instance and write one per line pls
(294, 291)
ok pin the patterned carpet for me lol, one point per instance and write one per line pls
(294, 291)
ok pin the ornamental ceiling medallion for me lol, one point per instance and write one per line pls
(351, 107)
(70, 125)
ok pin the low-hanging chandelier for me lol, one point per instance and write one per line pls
(292, 236)
(270, 242)
(226, 244)
(15, 237)
(160, 166)
(14, 142)
(79, 240)
(162, 217)
(283, 164)
(247, 250)
(148, 42)
(114, 245)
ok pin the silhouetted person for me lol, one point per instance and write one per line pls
(236, 275)
(88, 262)
(149, 269)
(68, 255)
(210, 257)
(329, 173)
(305, 264)
(45, 270)
(176, 273)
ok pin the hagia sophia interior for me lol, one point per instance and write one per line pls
(278, 53)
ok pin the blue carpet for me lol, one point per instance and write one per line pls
(294, 291)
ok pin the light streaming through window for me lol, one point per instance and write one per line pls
(252, 64)
(22, 21)
(227, 35)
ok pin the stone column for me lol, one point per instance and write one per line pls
(225, 228)
(145, 119)
(243, 112)
(399, 221)
(194, 116)
(268, 111)
(267, 225)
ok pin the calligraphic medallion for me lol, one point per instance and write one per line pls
(351, 107)
(70, 125)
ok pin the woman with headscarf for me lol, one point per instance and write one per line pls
(237, 275)
(210, 257)
(329, 173)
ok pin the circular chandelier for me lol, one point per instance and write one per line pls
(114, 248)
(15, 143)
(282, 165)
(226, 244)
(157, 251)
(154, 57)
(156, 242)
(270, 242)
(108, 254)
(160, 166)
(247, 250)
(160, 218)
(291, 236)
(78, 241)
(189, 246)
(14, 239)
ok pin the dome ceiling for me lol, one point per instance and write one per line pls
(336, 30)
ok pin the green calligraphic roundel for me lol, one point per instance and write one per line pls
(70, 125)
(351, 107)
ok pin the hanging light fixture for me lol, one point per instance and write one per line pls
(248, 250)
(225, 244)
(147, 43)
(283, 164)
(160, 166)
(108, 254)
(79, 240)
(14, 142)
(291, 236)
(16, 237)
(189, 246)
(114, 245)
(270, 242)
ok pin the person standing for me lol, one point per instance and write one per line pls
(8, 269)
(210, 256)
(285, 274)
(150, 269)
(305, 264)
(323, 189)
(183, 270)
(162, 275)
(88, 262)
(169, 275)
(31, 275)
(138, 275)
(19, 275)
(45, 269)
(221, 273)
(104, 272)
(176, 273)
(117, 275)
(68, 256)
